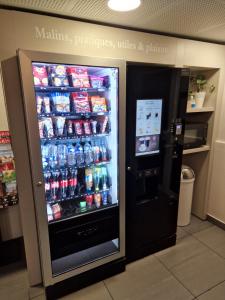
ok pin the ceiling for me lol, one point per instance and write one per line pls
(199, 19)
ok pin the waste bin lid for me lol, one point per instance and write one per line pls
(187, 173)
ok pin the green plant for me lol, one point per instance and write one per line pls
(200, 82)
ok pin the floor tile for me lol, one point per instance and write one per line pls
(146, 279)
(181, 233)
(214, 238)
(13, 278)
(196, 225)
(10, 293)
(201, 272)
(185, 248)
(217, 293)
(94, 292)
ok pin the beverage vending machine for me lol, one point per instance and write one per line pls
(73, 111)
(156, 106)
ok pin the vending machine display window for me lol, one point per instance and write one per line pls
(148, 126)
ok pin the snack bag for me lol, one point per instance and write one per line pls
(41, 128)
(98, 104)
(61, 102)
(81, 102)
(58, 75)
(78, 77)
(39, 101)
(59, 123)
(57, 211)
(96, 81)
(40, 75)
(87, 127)
(97, 198)
(47, 128)
(78, 127)
(103, 121)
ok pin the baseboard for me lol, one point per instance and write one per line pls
(216, 222)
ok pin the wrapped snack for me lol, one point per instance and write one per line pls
(87, 127)
(46, 103)
(81, 102)
(98, 104)
(78, 128)
(96, 81)
(57, 211)
(61, 102)
(103, 121)
(94, 126)
(40, 75)
(69, 125)
(58, 75)
(47, 128)
(39, 101)
(41, 128)
(59, 123)
(97, 198)
(78, 77)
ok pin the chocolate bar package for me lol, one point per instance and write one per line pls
(78, 77)
(80, 102)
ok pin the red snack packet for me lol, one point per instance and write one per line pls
(40, 75)
(79, 77)
(78, 127)
(56, 210)
(81, 102)
(87, 127)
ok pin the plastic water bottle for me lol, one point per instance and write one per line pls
(88, 155)
(71, 158)
(53, 155)
(79, 154)
(62, 155)
(44, 153)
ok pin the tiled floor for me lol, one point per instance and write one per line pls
(193, 269)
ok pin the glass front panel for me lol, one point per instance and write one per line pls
(77, 109)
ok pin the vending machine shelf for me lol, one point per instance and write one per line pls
(74, 138)
(68, 89)
(73, 115)
(94, 164)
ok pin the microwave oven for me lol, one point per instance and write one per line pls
(195, 135)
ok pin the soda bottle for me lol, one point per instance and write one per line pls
(96, 152)
(72, 183)
(52, 155)
(62, 155)
(88, 156)
(79, 153)
(71, 159)
(104, 177)
(103, 151)
(63, 183)
(44, 153)
(54, 185)
(105, 198)
(97, 177)
(89, 200)
(97, 199)
(89, 179)
(47, 178)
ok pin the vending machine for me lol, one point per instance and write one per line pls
(74, 115)
(156, 105)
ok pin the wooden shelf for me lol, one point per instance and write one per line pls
(196, 150)
(199, 110)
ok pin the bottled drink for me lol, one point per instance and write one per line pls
(105, 198)
(52, 155)
(71, 159)
(97, 178)
(89, 179)
(72, 183)
(79, 154)
(47, 177)
(88, 155)
(45, 155)
(62, 155)
(63, 183)
(54, 185)
(96, 152)
(104, 178)
(103, 151)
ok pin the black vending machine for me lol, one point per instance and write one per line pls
(156, 105)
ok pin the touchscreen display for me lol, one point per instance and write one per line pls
(148, 126)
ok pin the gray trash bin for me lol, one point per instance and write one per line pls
(186, 193)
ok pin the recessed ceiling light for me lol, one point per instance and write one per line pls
(123, 5)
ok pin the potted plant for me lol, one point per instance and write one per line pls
(199, 83)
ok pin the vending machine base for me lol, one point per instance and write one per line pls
(78, 282)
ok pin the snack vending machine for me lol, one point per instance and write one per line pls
(75, 120)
